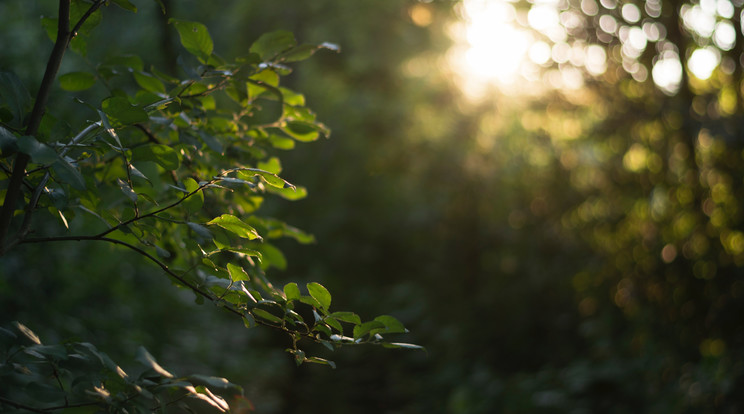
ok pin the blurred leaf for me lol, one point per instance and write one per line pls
(302, 131)
(127, 189)
(149, 82)
(14, 96)
(195, 38)
(165, 156)
(77, 81)
(269, 45)
(28, 333)
(126, 5)
(8, 142)
(214, 382)
(271, 256)
(40, 153)
(272, 165)
(281, 142)
(303, 52)
(147, 360)
(69, 174)
(195, 201)
(120, 112)
(291, 194)
(213, 143)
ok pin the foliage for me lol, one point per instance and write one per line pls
(173, 169)
(77, 377)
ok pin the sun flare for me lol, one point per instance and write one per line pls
(493, 47)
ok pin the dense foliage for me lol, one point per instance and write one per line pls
(173, 169)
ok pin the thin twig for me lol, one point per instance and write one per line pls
(22, 406)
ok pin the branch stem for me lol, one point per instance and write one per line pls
(42, 97)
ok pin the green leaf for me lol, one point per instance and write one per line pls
(235, 225)
(195, 201)
(392, 325)
(67, 173)
(366, 327)
(195, 38)
(320, 293)
(165, 156)
(292, 291)
(40, 153)
(8, 142)
(132, 62)
(149, 82)
(120, 112)
(291, 194)
(350, 317)
(266, 315)
(302, 131)
(333, 323)
(280, 142)
(127, 189)
(14, 96)
(271, 256)
(126, 5)
(213, 143)
(272, 165)
(200, 230)
(269, 45)
(248, 321)
(292, 98)
(317, 360)
(147, 360)
(237, 273)
(77, 81)
(270, 178)
(403, 345)
(303, 52)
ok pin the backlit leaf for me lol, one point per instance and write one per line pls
(292, 291)
(195, 38)
(237, 273)
(235, 226)
(320, 293)
(147, 360)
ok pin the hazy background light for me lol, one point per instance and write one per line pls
(631, 13)
(667, 73)
(725, 35)
(703, 62)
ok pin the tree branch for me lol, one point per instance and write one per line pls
(21, 406)
(42, 97)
